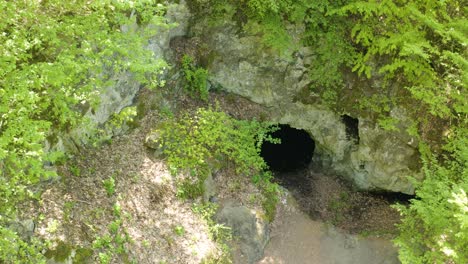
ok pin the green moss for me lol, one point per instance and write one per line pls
(64, 251)
(60, 253)
(207, 60)
(83, 255)
(270, 193)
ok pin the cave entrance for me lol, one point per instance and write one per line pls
(293, 154)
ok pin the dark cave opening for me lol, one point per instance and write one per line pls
(394, 197)
(293, 154)
(352, 127)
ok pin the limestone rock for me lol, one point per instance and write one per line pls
(24, 228)
(209, 187)
(250, 230)
(124, 86)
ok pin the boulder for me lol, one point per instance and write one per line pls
(249, 230)
(24, 228)
(152, 141)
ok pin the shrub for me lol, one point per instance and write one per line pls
(435, 226)
(194, 142)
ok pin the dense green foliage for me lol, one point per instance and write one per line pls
(196, 78)
(421, 44)
(197, 143)
(192, 141)
(417, 51)
(435, 226)
(55, 58)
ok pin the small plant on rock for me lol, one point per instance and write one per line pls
(196, 78)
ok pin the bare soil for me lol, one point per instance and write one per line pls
(330, 199)
(162, 228)
(298, 239)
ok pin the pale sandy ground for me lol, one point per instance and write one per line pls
(296, 239)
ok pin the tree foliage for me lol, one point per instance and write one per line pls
(422, 44)
(55, 58)
(435, 227)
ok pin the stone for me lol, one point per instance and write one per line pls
(65, 253)
(249, 229)
(209, 187)
(24, 228)
(152, 141)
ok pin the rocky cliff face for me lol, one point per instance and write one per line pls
(238, 63)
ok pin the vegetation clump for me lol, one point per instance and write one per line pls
(193, 143)
(435, 226)
(220, 233)
(196, 78)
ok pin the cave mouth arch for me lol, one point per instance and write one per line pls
(294, 153)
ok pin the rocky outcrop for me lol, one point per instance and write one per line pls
(381, 160)
(124, 86)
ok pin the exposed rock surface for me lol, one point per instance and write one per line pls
(248, 228)
(239, 63)
(122, 92)
(152, 142)
(25, 228)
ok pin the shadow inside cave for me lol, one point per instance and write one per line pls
(290, 160)
(294, 153)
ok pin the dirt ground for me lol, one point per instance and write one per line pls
(330, 199)
(153, 225)
(297, 239)
(77, 208)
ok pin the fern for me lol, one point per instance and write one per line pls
(434, 228)
(412, 37)
(196, 78)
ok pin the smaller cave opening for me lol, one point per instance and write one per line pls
(294, 153)
(352, 127)
(394, 197)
